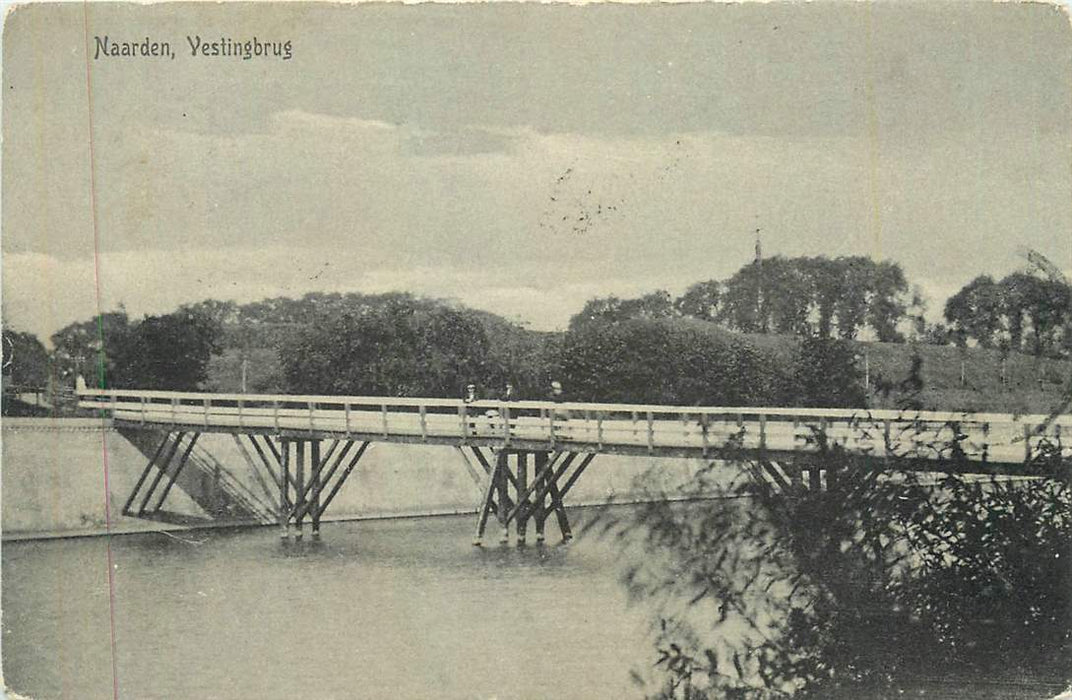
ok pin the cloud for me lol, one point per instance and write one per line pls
(514, 220)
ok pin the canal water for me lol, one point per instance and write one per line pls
(403, 608)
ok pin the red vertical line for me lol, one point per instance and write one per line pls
(100, 356)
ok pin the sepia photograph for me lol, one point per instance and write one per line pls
(536, 350)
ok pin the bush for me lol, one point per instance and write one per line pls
(401, 348)
(876, 586)
(670, 362)
(825, 375)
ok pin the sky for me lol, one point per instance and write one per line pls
(522, 158)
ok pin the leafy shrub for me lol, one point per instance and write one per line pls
(675, 362)
(878, 585)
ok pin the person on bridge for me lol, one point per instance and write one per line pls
(470, 397)
(557, 397)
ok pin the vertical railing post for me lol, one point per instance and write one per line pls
(705, 422)
(346, 406)
(651, 432)
(424, 422)
(505, 414)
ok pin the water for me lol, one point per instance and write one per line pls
(378, 609)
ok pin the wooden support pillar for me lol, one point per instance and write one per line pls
(522, 500)
(284, 487)
(539, 507)
(315, 496)
(502, 468)
(299, 489)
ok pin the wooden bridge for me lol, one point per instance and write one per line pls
(329, 434)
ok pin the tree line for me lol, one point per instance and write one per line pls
(692, 349)
(1021, 312)
(810, 296)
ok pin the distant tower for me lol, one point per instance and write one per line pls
(760, 315)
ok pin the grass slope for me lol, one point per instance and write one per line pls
(1032, 385)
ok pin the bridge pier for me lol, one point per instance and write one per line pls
(512, 497)
(286, 467)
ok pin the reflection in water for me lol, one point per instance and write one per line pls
(402, 608)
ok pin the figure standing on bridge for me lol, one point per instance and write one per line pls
(557, 397)
(469, 398)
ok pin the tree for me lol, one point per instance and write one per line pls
(700, 300)
(1041, 307)
(825, 375)
(976, 310)
(599, 310)
(657, 304)
(741, 307)
(402, 347)
(887, 306)
(169, 352)
(87, 348)
(825, 279)
(786, 296)
(25, 360)
(1015, 291)
(855, 292)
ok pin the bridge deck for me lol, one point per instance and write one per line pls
(984, 439)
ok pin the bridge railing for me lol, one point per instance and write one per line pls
(600, 426)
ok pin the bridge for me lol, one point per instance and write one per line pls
(302, 449)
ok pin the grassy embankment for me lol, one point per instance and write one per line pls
(1032, 385)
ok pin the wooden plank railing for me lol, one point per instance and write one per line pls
(603, 427)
